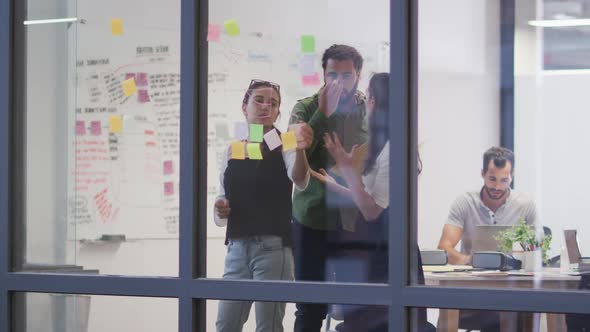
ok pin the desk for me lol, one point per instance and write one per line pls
(549, 278)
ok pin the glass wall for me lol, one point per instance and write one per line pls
(485, 320)
(498, 189)
(102, 111)
(262, 143)
(87, 313)
(257, 316)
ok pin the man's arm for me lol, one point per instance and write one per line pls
(450, 237)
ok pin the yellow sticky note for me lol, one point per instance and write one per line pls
(254, 151)
(238, 151)
(116, 26)
(116, 123)
(129, 87)
(289, 140)
(231, 27)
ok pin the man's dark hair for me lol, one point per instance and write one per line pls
(341, 53)
(500, 156)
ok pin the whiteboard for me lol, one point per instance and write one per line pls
(124, 182)
(127, 182)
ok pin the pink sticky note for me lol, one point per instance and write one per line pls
(95, 128)
(311, 80)
(141, 79)
(143, 96)
(214, 32)
(129, 75)
(168, 167)
(80, 128)
(169, 188)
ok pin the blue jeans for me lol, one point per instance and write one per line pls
(256, 258)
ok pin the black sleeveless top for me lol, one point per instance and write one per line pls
(259, 194)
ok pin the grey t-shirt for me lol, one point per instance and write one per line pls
(468, 210)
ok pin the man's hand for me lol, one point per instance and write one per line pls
(329, 97)
(222, 208)
(304, 135)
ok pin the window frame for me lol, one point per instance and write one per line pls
(191, 288)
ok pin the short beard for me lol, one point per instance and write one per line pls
(347, 97)
(492, 197)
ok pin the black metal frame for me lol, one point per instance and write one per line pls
(191, 287)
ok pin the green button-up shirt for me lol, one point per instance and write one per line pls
(350, 123)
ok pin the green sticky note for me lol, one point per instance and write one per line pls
(256, 132)
(308, 44)
(231, 27)
(254, 151)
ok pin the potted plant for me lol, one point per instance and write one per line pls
(533, 245)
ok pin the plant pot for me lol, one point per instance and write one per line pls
(532, 261)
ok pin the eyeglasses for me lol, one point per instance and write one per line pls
(255, 83)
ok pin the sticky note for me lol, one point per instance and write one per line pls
(95, 128)
(168, 167)
(80, 128)
(256, 132)
(169, 188)
(141, 79)
(129, 75)
(289, 140)
(214, 32)
(311, 80)
(116, 123)
(254, 151)
(116, 26)
(143, 96)
(240, 131)
(237, 150)
(308, 64)
(272, 139)
(231, 27)
(129, 87)
(307, 44)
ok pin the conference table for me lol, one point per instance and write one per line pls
(548, 278)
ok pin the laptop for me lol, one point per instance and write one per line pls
(573, 250)
(484, 237)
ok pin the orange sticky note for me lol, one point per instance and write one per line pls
(129, 87)
(116, 26)
(116, 124)
(289, 140)
(231, 27)
(254, 151)
(238, 151)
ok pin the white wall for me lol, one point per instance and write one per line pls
(550, 134)
(458, 103)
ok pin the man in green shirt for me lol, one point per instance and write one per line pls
(337, 107)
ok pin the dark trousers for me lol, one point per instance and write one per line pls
(310, 251)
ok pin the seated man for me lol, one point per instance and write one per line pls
(493, 204)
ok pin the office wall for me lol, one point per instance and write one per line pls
(458, 104)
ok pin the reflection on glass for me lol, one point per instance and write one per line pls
(102, 138)
(267, 317)
(454, 320)
(86, 313)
